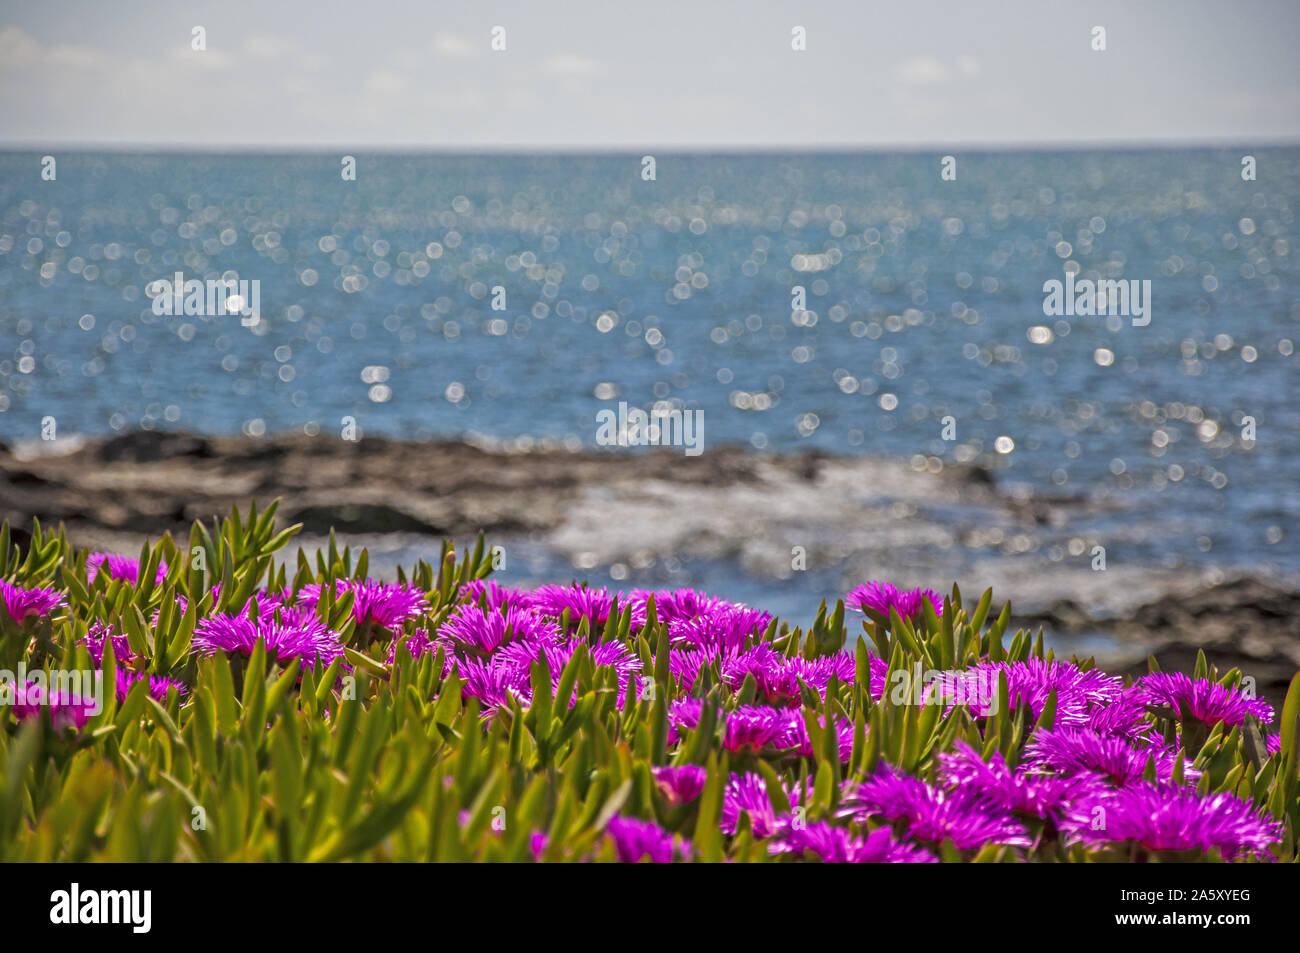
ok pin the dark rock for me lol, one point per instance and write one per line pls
(20, 537)
(360, 518)
(21, 478)
(148, 445)
(1065, 615)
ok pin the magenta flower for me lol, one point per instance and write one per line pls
(1273, 743)
(34, 700)
(636, 840)
(680, 784)
(796, 736)
(913, 601)
(748, 792)
(518, 657)
(837, 845)
(749, 727)
(677, 605)
(821, 840)
(613, 655)
(734, 665)
(1020, 792)
(418, 643)
(879, 597)
(685, 664)
(496, 594)
(520, 654)
(265, 604)
(261, 602)
(1163, 817)
(472, 629)
(124, 568)
(684, 713)
(967, 819)
(594, 605)
(374, 603)
(289, 634)
(1206, 701)
(1125, 717)
(778, 677)
(756, 727)
(721, 628)
(881, 847)
(159, 685)
(94, 641)
(817, 672)
(537, 842)
(492, 684)
(1078, 693)
(1079, 749)
(21, 603)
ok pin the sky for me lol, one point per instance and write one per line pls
(623, 75)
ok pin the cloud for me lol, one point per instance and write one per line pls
(268, 47)
(922, 71)
(571, 64)
(20, 50)
(453, 46)
(385, 82)
(185, 56)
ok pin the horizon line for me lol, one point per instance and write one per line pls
(715, 149)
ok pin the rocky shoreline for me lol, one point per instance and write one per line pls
(859, 517)
(152, 482)
(1243, 623)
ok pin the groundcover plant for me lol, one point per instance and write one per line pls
(219, 701)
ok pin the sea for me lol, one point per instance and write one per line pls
(891, 306)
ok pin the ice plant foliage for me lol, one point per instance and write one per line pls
(318, 714)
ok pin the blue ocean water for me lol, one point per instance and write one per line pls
(924, 300)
